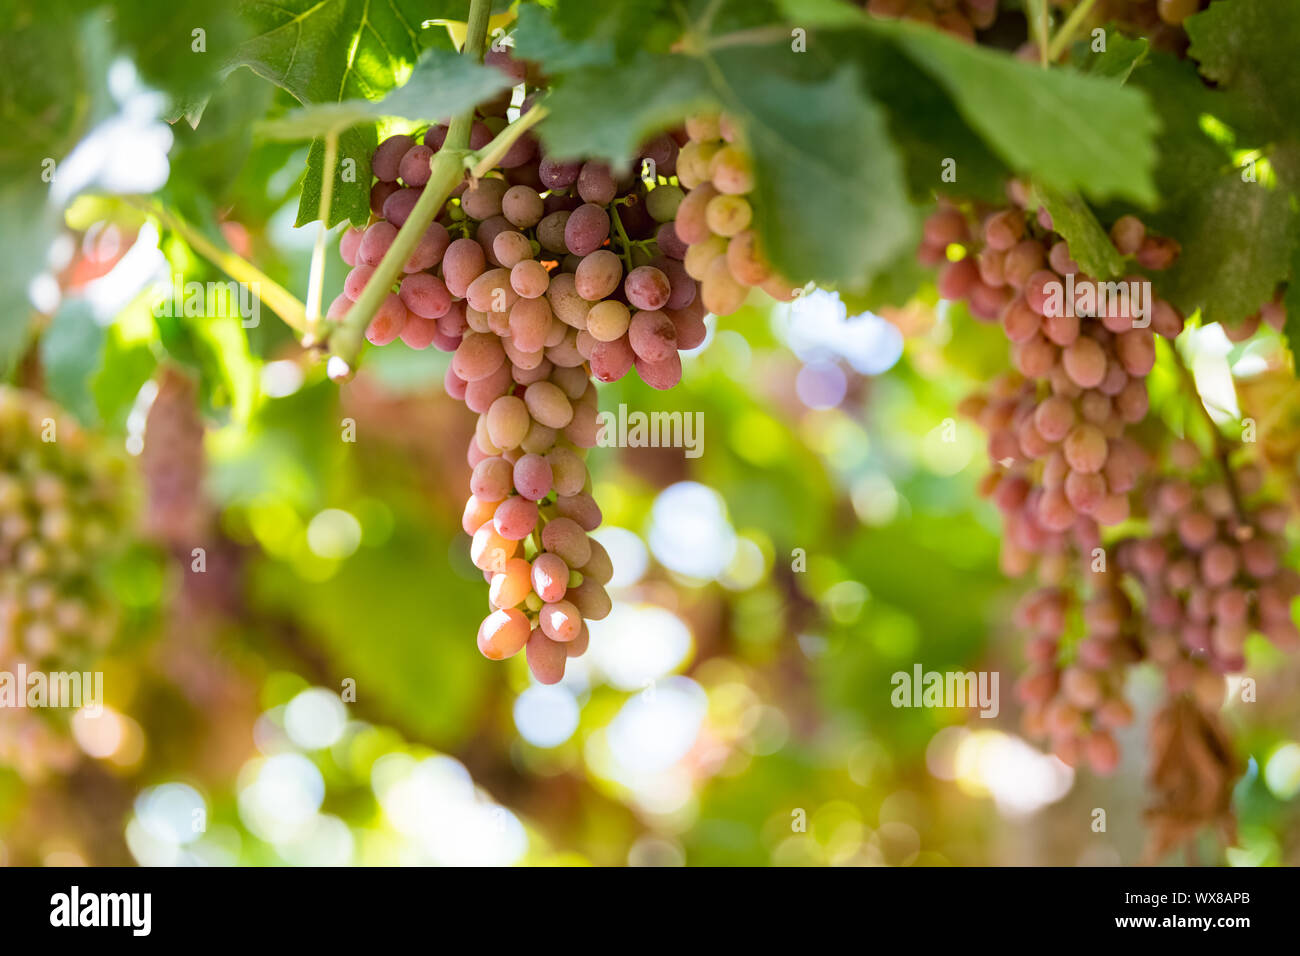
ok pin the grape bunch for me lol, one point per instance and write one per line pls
(1211, 568)
(62, 518)
(539, 277)
(1057, 427)
(1080, 648)
(961, 18)
(714, 221)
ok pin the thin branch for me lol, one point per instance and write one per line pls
(485, 160)
(1068, 29)
(316, 279)
(273, 295)
(1220, 450)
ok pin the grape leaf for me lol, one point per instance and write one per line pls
(72, 351)
(942, 154)
(325, 51)
(830, 194)
(161, 38)
(442, 84)
(1236, 236)
(538, 38)
(1040, 122)
(1045, 122)
(45, 112)
(606, 112)
(1120, 58)
(1090, 246)
(1249, 47)
(624, 28)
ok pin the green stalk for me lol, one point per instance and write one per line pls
(316, 278)
(273, 295)
(1068, 29)
(445, 172)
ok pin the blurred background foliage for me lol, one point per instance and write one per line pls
(314, 696)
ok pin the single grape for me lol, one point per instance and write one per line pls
(375, 243)
(515, 519)
(546, 658)
(510, 586)
(586, 228)
(503, 634)
(388, 157)
(598, 275)
(414, 167)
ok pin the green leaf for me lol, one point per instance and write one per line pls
(607, 112)
(1236, 236)
(1042, 123)
(323, 52)
(1120, 58)
(830, 195)
(72, 351)
(351, 199)
(160, 35)
(1249, 47)
(929, 132)
(538, 38)
(1090, 246)
(327, 51)
(442, 85)
(1045, 123)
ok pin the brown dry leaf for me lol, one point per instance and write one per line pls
(1193, 772)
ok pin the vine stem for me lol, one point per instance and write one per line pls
(622, 235)
(485, 160)
(445, 172)
(273, 295)
(316, 278)
(1068, 29)
(1220, 450)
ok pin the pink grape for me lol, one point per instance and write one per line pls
(398, 206)
(661, 375)
(515, 518)
(388, 157)
(503, 634)
(586, 229)
(550, 577)
(462, 263)
(425, 295)
(532, 477)
(546, 658)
